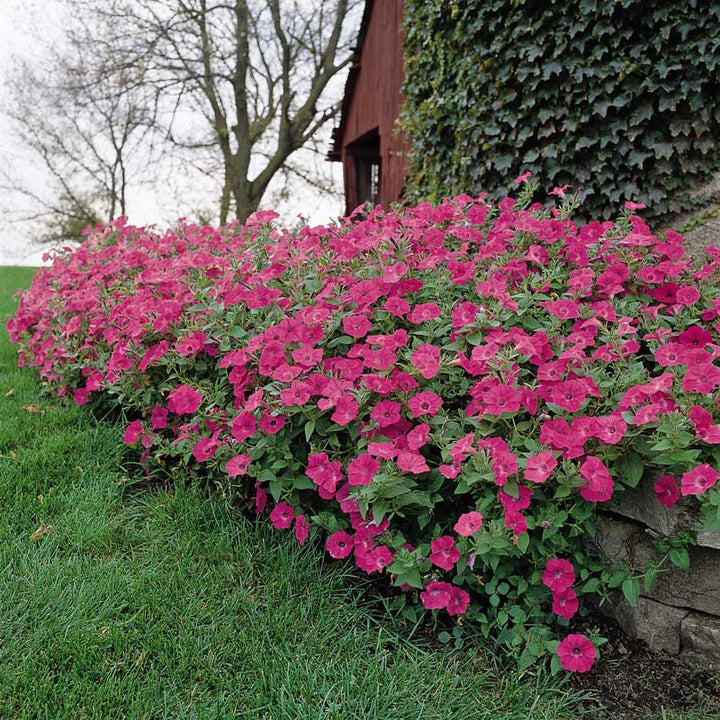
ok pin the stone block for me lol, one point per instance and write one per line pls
(709, 540)
(700, 640)
(657, 624)
(640, 503)
(698, 589)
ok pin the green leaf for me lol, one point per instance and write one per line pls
(555, 665)
(527, 658)
(712, 519)
(631, 590)
(629, 468)
(523, 542)
(302, 482)
(680, 558)
(309, 429)
(650, 578)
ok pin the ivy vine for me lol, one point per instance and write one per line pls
(620, 98)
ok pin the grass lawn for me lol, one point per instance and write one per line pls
(162, 604)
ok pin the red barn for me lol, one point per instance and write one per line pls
(366, 141)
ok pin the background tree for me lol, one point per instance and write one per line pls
(177, 95)
(89, 131)
(239, 85)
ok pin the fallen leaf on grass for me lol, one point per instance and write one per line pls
(42, 531)
(34, 409)
(141, 658)
(10, 392)
(12, 455)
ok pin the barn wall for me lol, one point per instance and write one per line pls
(377, 99)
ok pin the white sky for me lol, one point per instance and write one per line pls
(156, 206)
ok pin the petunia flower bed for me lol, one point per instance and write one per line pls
(444, 394)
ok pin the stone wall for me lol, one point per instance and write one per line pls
(681, 613)
(700, 228)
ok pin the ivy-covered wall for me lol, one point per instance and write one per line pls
(618, 97)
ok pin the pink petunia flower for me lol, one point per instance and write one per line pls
(594, 471)
(418, 436)
(565, 603)
(362, 469)
(205, 448)
(346, 410)
(667, 491)
(386, 413)
(610, 429)
(132, 432)
(260, 499)
(516, 521)
(301, 529)
(184, 400)
(339, 544)
(468, 523)
(397, 306)
(297, 394)
(412, 462)
(576, 653)
(698, 480)
(702, 378)
(539, 467)
(158, 417)
(326, 474)
(443, 552)
(670, 354)
(270, 423)
(356, 326)
(562, 309)
(458, 601)
(282, 516)
(238, 465)
(559, 575)
(687, 295)
(307, 356)
(243, 426)
(436, 595)
(424, 312)
(695, 336)
(426, 360)
(374, 560)
(425, 403)
(501, 399)
(464, 315)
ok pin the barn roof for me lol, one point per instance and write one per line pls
(338, 133)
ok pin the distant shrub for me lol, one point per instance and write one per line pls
(445, 393)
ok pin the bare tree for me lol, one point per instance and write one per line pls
(90, 131)
(239, 85)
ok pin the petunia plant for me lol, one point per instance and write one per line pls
(444, 394)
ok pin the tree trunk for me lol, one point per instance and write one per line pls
(245, 203)
(225, 198)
